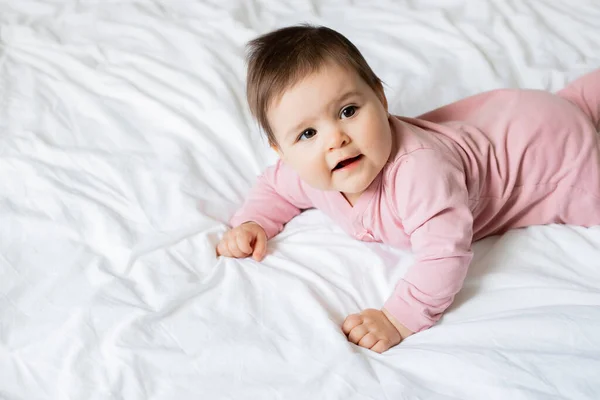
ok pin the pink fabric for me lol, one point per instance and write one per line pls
(498, 160)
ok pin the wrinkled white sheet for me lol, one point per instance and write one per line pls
(126, 144)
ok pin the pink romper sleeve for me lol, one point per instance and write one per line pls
(432, 203)
(276, 198)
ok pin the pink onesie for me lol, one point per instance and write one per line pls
(494, 161)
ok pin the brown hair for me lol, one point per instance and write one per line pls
(279, 59)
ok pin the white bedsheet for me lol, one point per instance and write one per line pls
(126, 144)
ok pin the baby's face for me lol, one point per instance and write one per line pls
(333, 130)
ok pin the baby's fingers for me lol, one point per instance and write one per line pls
(356, 334)
(368, 340)
(222, 249)
(381, 346)
(242, 242)
(234, 249)
(260, 246)
(351, 322)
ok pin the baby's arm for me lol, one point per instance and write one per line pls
(276, 198)
(433, 206)
(432, 202)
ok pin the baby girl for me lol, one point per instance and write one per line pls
(478, 167)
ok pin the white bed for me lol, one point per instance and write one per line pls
(126, 145)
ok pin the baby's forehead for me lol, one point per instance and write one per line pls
(336, 76)
(318, 94)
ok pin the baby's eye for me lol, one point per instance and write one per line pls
(307, 134)
(347, 112)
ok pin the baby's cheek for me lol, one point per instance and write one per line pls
(316, 175)
(304, 171)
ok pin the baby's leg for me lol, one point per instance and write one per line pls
(585, 93)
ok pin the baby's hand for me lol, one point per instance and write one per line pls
(374, 329)
(240, 242)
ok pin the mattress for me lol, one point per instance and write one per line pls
(126, 145)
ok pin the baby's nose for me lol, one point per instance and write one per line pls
(337, 138)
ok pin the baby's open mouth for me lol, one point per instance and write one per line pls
(346, 162)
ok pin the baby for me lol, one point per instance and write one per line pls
(478, 167)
